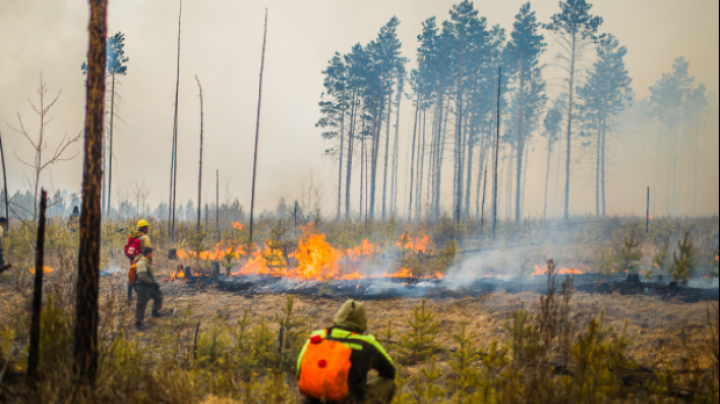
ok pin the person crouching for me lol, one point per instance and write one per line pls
(146, 288)
(334, 363)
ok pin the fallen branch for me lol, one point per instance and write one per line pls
(5, 268)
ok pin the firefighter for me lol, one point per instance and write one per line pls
(334, 363)
(74, 220)
(143, 228)
(146, 288)
(3, 228)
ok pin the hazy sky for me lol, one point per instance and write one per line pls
(221, 44)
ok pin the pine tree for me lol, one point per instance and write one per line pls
(683, 265)
(574, 28)
(551, 124)
(606, 93)
(659, 260)
(523, 52)
(461, 363)
(428, 391)
(419, 343)
(629, 255)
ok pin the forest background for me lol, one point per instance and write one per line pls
(50, 38)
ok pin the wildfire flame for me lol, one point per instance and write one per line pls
(237, 226)
(419, 244)
(46, 270)
(562, 271)
(221, 251)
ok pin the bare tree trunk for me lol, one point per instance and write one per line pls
(351, 142)
(340, 161)
(602, 169)
(88, 280)
(482, 209)
(257, 133)
(547, 175)
(7, 202)
(173, 165)
(201, 155)
(597, 171)
(377, 125)
(497, 150)
(387, 155)
(695, 177)
(412, 159)
(421, 169)
(481, 164)
(470, 152)
(520, 143)
(110, 146)
(217, 200)
(396, 157)
(566, 208)
(34, 350)
(457, 198)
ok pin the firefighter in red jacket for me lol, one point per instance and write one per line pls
(334, 363)
(143, 228)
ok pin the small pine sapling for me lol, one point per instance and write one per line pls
(524, 336)
(419, 343)
(276, 253)
(629, 255)
(388, 336)
(293, 329)
(683, 265)
(402, 397)
(428, 391)
(461, 363)
(659, 261)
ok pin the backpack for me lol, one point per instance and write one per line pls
(133, 247)
(132, 273)
(325, 368)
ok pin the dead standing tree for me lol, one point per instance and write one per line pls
(2, 156)
(173, 159)
(257, 133)
(86, 307)
(40, 144)
(201, 154)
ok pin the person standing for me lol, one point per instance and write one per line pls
(147, 288)
(137, 242)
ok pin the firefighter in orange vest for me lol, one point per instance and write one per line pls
(334, 363)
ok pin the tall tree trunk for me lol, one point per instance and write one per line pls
(377, 125)
(88, 280)
(497, 154)
(396, 157)
(257, 132)
(481, 164)
(520, 142)
(34, 349)
(695, 176)
(412, 159)
(547, 175)
(457, 198)
(421, 169)
(110, 146)
(173, 164)
(340, 161)
(201, 155)
(5, 188)
(470, 146)
(351, 142)
(566, 208)
(598, 164)
(440, 160)
(602, 169)
(387, 156)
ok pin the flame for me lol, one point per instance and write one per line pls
(46, 270)
(402, 273)
(651, 217)
(656, 265)
(237, 226)
(562, 271)
(222, 250)
(420, 244)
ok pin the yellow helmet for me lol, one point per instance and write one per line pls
(143, 223)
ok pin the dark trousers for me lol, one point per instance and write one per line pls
(144, 294)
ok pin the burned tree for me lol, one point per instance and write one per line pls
(86, 314)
